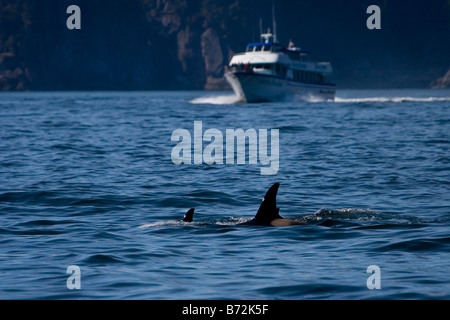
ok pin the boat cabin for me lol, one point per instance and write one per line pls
(269, 58)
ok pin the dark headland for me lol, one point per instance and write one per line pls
(184, 44)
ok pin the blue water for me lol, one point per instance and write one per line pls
(86, 179)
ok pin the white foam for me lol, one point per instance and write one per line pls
(391, 99)
(217, 100)
(231, 221)
(228, 221)
(163, 224)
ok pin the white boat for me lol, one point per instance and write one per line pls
(267, 71)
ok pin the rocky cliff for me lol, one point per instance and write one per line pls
(184, 44)
(441, 83)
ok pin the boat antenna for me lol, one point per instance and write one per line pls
(260, 26)
(275, 40)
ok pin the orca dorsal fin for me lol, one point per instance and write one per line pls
(189, 215)
(268, 210)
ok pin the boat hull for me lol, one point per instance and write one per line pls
(253, 87)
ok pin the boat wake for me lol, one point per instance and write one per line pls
(391, 99)
(233, 99)
(218, 100)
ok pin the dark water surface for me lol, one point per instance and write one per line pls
(86, 179)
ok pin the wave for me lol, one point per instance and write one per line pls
(233, 99)
(174, 223)
(102, 259)
(391, 99)
(223, 221)
(420, 244)
(359, 216)
(349, 213)
(347, 217)
(217, 100)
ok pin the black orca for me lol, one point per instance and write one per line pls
(189, 215)
(267, 215)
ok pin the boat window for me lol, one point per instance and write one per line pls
(267, 48)
(307, 76)
(312, 77)
(280, 69)
(258, 48)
